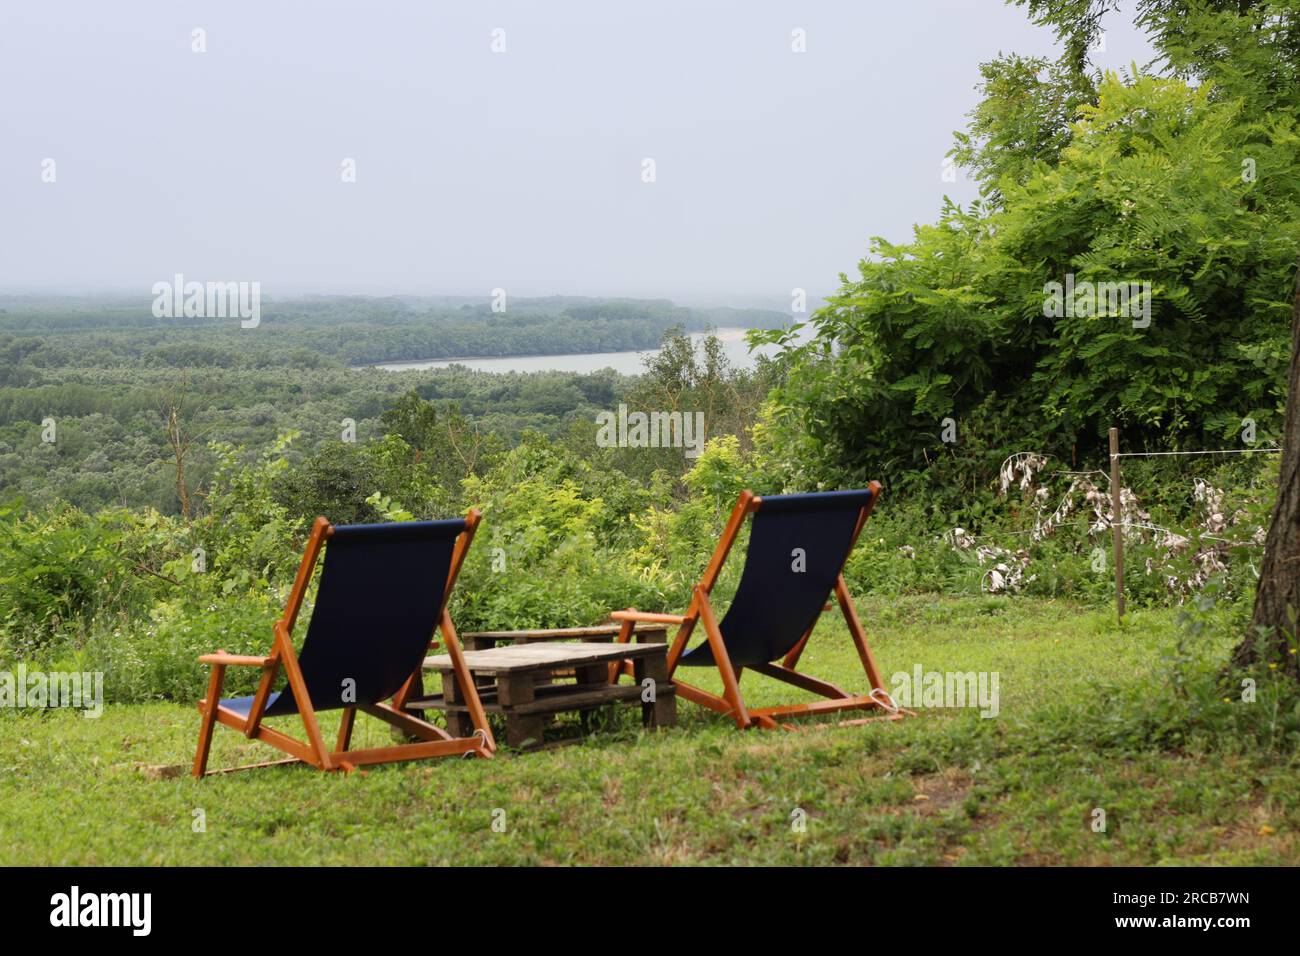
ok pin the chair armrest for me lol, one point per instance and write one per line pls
(649, 617)
(235, 660)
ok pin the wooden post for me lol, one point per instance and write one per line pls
(1116, 523)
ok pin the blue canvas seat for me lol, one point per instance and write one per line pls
(382, 595)
(381, 589)
(242, 705)
(798, 545)
(775, 604)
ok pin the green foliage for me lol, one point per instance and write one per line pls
(1024, 119)
(1150, 189)
(1200, 705)
(153, 657)
(248, 533)
(61, 571)
(693, 378)
(1184, 182)
(553, 554)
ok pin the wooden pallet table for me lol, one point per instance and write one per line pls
(597, 633)
(482, 640)
(523, 685)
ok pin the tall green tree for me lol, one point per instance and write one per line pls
(1184, 192)
(1277, 598)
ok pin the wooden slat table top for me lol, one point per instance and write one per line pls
(560, 634)
(513, 658)
(555, 698)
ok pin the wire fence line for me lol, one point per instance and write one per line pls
(1119, 522)
(1131, 524)
(999, 534)
(1199, 535)
(1024, 463)
(1095, 471)
(1209, 451)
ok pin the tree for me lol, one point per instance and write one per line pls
(1077, 24)
(682, 377)
(1025, 117)
(181, 439)
(1192, 36)
(1277, 599)
(415, 420)
(1182, 193)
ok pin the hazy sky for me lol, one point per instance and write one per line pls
(476, 169)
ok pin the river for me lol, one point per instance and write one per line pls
(625, 363)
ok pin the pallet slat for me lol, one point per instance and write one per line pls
(515, 658)
(598, 632)
(549, 704)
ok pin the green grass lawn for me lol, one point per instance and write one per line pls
(947, 787)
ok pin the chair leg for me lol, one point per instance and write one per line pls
(345, 728)
(859, 636)
(792, 659)
(730, 680)
(209, 719)
(306, 711)
(465, 680)
(624, 636)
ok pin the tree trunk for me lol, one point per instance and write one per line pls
(1277, 599)
(180, 448)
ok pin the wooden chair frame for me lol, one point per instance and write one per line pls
(431, 740)
(732, 702)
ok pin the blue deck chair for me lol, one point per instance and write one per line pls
(382, 596)
(798, 545)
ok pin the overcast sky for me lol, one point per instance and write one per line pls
(477, 169)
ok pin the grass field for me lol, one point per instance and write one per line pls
(945, 788)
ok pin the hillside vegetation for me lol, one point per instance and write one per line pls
(157, 480)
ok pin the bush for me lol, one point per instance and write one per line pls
(953, 324)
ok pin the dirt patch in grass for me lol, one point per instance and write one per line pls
(939, 792)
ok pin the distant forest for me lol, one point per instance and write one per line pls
(134, 399)
(313, 331)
